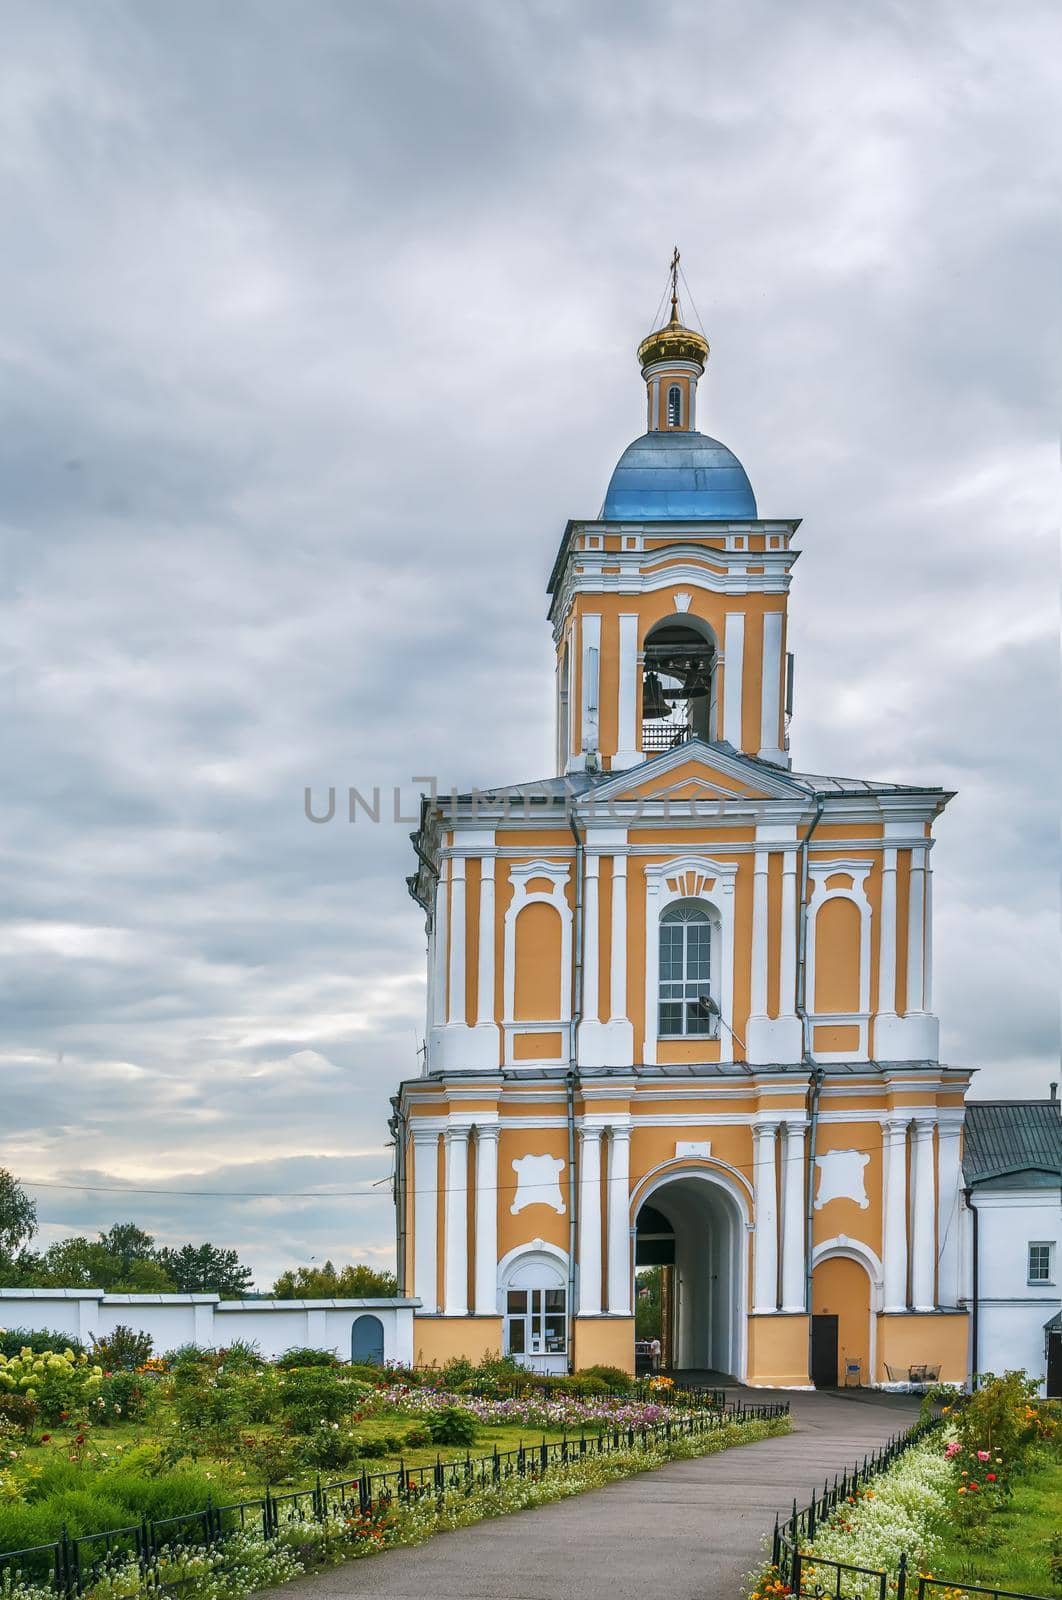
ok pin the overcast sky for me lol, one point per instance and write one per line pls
(318, 321)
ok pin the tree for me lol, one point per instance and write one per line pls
(81, 1263)
(127, 1244)
(206, 1269)
(359, 1282)
(647, 1302)
(18, 1219)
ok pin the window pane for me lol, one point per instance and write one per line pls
(516, 1302)
(670, 1018)
(516, 1336)
(555, 1300)
(555, 1334)
(696, 1021)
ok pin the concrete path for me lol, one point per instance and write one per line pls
(688, 1531)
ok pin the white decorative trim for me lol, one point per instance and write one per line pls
(590, 682)
(521, 873)
(682, 600)
(733, 676)
(535, 1173)
(840, 1174)
(771, 689)
(858, 870)
(691, 878)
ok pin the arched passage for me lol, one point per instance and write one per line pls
(707, 1297)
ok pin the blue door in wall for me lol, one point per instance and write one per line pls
(367, 1340)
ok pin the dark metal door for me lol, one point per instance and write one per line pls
(824, 1352)
(367, 1340)
(1054, 1366)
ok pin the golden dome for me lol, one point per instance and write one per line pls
(673, 342)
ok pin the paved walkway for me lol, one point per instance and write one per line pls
(688, 1531)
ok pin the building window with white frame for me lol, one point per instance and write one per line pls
(536, 1322)
(1040, 1262)
(674, 406)
(685, 972)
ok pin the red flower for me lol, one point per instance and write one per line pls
(975, 1485)
(45, 1437)
(63, 1415)
(990, 1477)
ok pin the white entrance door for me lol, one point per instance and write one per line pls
(536, 1328)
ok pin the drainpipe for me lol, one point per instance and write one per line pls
(397, 1126)
(975, 1290)
(573, 1078)
(815, 1073)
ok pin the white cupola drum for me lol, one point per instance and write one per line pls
(672, 359)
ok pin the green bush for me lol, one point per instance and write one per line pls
(450, 1426)
(242, 1355)
(417, 1437)
(272, 1457)
(187, 1355)
(123, 1350)
(123, 1397)
(614, 1378)
(58, 1383)
(19, 1409)
(304, 1356)
(312, 1395)
(12, 1340)
(330, 1448)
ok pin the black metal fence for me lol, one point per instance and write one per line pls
(819, 1578)
(72, 1564)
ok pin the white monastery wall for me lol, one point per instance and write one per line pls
(207, 1320)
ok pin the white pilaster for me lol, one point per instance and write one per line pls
(788, 942)
(923, 1240)
(894, 1134)
(692, 424)
(440, 937)
(949, 1206)
(927, 940)
(619, 1237)
(591, 939)
(733, 676)
(630, 683)
(426, 1218)
(485, 980)
(916, 931)
(618, 957)
(771, 690)
(457, 939)
(887, 951)
(455, 1262)
(590, 1222)
(794, 1218)
(758, 1005)
(765, 1234)
(590, 682)
(486, 1268)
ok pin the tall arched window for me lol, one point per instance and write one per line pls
(685, 972)
(674, 406)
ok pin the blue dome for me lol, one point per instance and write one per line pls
(683, 476)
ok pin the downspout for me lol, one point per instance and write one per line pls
(397, 1125)
(975, 1290)
(573, 1078)
(815, 1073)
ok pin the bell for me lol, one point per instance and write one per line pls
(654, 706)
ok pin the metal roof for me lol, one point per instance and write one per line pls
(1006, 1137)
(679, 475)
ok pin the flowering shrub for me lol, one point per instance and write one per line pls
(529, 1410)
(124, 1349)
(661, 1386)
(57, 1383)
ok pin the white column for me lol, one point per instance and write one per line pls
(485, 982)
(923, 1237)
(455, 1264)
(486, 1270)
(887, 951)
(794, 1219)
(894, 1134)
(916, 930)
(788, 943)
(949, 1205)
(630, 693)
(426, 1218)
(692, 424)
(733, 676)
(765, 1234)
(771, 689)
(591, 938)
(590, 1222)
(758, 1006)
(619, 1237)
(440, 936)
(618, 970)
(457, 939)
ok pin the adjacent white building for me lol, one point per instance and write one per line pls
(1012, 1165)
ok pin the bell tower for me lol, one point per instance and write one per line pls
(669, 609)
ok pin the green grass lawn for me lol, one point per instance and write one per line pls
(1015, 1553)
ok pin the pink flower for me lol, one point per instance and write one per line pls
(982, 1455)
(952, 1450)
